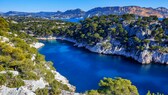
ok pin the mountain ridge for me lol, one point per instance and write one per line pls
(160, 12)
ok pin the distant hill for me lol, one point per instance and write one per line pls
(140, 11)
(161, 12)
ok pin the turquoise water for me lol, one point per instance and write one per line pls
(84, 69)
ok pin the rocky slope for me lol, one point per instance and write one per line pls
(161, 12)
(23, 71)
(144, 57)
(140, 11)
(31, 85)
(141, 38)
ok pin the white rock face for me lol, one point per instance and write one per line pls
(63, 92)
(33, 84)
(15, 35)
(28, 89)
(15, 73)
(37, 45)
(15, 91)
(33, 57)
(46, 38)
(63, 80)
(144, 57)
(4, 39)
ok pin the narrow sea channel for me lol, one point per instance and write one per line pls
(84, 69)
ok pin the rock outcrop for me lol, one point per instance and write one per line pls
(32, 85)
(144, 57)
(37, 45)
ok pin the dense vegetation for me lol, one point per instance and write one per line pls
(117, 86)
(16, 55)
(89, 31)
(129, 30)
(37, 26)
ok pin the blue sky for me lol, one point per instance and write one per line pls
(62, 5)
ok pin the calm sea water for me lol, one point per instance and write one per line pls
(84, 69)
(74, 20)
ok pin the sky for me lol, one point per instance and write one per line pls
(62, 5)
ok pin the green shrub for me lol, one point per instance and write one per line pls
(29, 76)
(3, 25)
(7, 50)
(137, 40)
(50, 64)
(26, 66)
(1, 67)
(5, 59)
(117, 86)
(15, 82)
(155, 47)
(149, 93)
(43, 91)
(146, 41)
(49, 76)
(40, 57)
(141, 48)
(2, 79)
(56, 87)
(106, 45)
(10, 80)
(92, 92)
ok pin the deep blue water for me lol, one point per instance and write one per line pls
(84, 69)
(75, 20)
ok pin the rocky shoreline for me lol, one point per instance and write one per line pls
(32, 85)
(143, 57)
(58, 76)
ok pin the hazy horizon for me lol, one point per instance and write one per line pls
(74, 9)
(63, 5)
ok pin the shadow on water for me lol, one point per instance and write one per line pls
(85, 69)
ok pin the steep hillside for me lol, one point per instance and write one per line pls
(141, 38)
(23, 71)
(140, 11)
